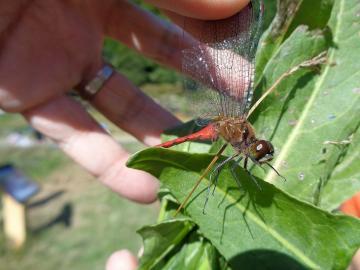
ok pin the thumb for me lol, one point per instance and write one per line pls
(122, 260)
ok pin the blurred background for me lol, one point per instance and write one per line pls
(73, 222)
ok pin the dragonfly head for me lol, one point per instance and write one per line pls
(262, 151)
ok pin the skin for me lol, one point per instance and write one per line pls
(49, 47)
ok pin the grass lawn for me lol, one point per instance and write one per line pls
(74, 222)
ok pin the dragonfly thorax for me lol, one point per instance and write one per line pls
(241, 135)
(237, 131)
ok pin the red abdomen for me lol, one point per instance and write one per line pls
(207, 133)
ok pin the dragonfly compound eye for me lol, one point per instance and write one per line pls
(262, 151)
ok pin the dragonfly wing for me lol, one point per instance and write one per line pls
(218, 59)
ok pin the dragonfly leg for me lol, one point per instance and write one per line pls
(249, 173)
(234, 173)
(275, 171)
(218, 169)
(217, 172)
(211, 164)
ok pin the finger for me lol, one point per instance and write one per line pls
(133, 111)
(212, 31)
(355, 263)
(144, 32)
(202, 9)
(78, 135)
(121, 260)
(156, 38)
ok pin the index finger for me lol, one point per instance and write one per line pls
(76, 133)
(202, 9)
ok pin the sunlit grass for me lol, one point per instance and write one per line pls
(100, 222)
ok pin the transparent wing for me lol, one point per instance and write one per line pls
(219, 61)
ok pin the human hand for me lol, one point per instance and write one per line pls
(50, 47)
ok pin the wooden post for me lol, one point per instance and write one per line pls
(14, 221)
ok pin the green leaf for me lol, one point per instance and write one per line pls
(194, 254)
(345, 177)
(312, 118)
(168, 205)
(252, 225)
(314, 14)
(290, 15)
(190, 251)
(269, 14)
(160, 239)
(310, 108)
(136, 67)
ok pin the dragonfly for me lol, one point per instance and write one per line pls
(218, 59)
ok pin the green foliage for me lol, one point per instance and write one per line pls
(160, 239)
(146, 6)
(270, 12)
(314, 107)
(246, 223)
(137, 68)
(291, 14)
(312, 118)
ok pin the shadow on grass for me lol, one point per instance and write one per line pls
(46, 199)
(64, 216)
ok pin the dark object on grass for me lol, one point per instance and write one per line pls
(16, 184)
(17, 190)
